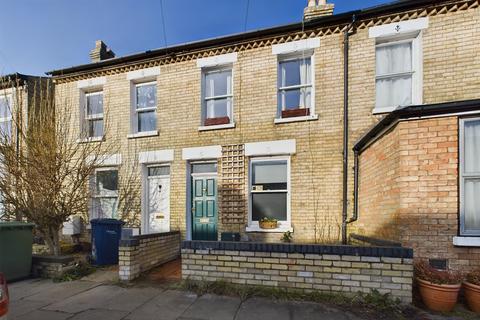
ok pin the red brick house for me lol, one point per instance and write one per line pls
(417, 181)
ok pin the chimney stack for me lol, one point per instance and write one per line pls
(317, 8)
(101, 52)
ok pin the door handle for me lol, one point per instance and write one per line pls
(193, 209)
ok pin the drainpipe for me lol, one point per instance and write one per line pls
(346, 49)
(355, 188)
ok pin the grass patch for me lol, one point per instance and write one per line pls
(79, 271)
(382, 306)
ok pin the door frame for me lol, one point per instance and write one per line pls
(144, 195)
(189, 189)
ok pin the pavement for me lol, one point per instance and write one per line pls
(42, 299)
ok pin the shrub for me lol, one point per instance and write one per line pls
(473, 277)
(424, 271)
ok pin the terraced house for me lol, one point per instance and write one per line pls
(225, 132)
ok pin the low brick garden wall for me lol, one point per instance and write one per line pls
(347, 269)
(54, 266)
(144, 252)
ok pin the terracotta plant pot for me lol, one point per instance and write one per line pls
(295, 113)
(472, 295)
(438, 297)
(217, 121)
(268, 224)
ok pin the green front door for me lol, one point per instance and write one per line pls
(204, 208)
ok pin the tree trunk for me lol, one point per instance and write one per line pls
(53, 241)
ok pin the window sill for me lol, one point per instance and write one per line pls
(143, 134)
(466, 241)
(217, 127)
(296, 119)
(283, 227)
(93, 139)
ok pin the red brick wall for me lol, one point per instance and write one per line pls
(427, 183)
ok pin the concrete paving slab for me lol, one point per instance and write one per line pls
(99, 314)
(313, 311)
(44, 315)
(26, 288)
(90, 299)
(263, 309)
(213, 307)
(62, 291)
(131, 299)
(169, 305)
(20, 307)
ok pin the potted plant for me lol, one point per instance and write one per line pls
(472, 290)
(268, 223)
(438, 288)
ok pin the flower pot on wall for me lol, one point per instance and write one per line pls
(268, 224)
(292, 113)
(216, 121)
(472, 295)
(438, 297)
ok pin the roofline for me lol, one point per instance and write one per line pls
(417, 111)
(218, 41)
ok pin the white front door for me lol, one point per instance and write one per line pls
(158, 199)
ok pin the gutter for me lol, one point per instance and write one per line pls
(346, 50)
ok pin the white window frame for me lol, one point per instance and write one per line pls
(85, 118)
(135, 110)
(9, 98)
(94, 194)
(283, 226)
(464, 176)
(415, 38)
(205, 71)
(297, 55)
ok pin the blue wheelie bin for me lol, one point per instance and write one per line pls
(106, 235)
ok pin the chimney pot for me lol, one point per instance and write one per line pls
(101, 52)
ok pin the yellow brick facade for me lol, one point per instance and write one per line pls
(450, 48)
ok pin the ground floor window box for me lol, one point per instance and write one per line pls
(266, 223)
(217, 121)
(293, 113)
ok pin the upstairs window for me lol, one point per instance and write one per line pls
(470, 177)
(105, 193)
(397, 73)
(145, 107)
(94, 126)
(217, 97)
(295, 87)
(6, 118)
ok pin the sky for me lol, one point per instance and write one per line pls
(37, 36)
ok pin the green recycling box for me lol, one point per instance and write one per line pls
(16, 249)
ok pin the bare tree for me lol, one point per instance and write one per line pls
(44, 171)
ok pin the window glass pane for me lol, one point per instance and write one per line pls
(159, 171)
(394, 92)
(218, 108)
(147, 121)
(95, 128)
(104, 208)
(204, 167)
(271, 175)
(295, 72)
(146, 96)
(395, 58)
(269, 205)
(472, 205)
(218, 83)
(94, 104)
(5, 107)
(6, 129)
(472, 146)
(295, 98)
(107, 182)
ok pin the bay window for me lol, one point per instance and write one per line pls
(217, 97)
(470, 177)
(104, 185)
